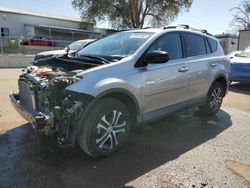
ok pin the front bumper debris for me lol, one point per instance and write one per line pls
(37, 119)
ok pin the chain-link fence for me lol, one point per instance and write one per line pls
(30, 45)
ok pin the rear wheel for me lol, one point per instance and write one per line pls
(106, 128)
(214, 99)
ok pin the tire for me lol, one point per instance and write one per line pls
(105, 128)
(214, 100)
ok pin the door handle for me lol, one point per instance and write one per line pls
(213, 64)
(183, 69)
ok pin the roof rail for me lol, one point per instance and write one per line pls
(175, 26)
(146, 27)
(201, 30)
(184, 26)
(127, 29)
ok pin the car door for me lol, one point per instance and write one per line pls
(33, 41)
(36, 41)
(164, 85)
(197, 61)
(45, 41)
(42, 41)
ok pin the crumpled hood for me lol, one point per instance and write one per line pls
(67, 62)
(53, 52)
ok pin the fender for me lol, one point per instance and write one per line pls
(93, 100)
(105, 87)
(218, 76)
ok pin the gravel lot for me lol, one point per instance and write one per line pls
(182, 150)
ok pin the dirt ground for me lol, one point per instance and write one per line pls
(182, 150)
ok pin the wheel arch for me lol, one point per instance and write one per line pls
(223, 80)
(125, 97)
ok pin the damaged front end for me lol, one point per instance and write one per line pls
(43, 101)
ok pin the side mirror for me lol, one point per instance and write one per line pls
(155, 57)
(67, 50)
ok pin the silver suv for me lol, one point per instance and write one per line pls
(128, 78)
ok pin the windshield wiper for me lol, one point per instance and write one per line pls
(103, 60)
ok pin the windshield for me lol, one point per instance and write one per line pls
(78, 45)
(117, 45)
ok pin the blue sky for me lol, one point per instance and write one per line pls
(213, 15)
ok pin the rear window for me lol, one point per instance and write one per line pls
(212, 44)
(195, 45)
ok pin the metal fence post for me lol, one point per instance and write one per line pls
(1, 45)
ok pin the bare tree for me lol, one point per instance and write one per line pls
(241, 20)
(131, 13)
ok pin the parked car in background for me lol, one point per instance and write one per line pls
(38, 41)
(72, 48)
(240, 67)
(128, 78)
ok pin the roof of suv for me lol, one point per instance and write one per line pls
(175, 28)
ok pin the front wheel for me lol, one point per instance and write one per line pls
(214, 99)
(105, 128)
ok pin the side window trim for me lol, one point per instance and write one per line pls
(208, 47)
(184, 51)
(182, 45)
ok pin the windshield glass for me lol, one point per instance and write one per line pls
(77, 45)
(116, 45)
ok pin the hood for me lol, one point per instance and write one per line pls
(67, 62)
(240, 60)
(53, 52)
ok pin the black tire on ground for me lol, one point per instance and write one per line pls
(105, 128)
(214, 99)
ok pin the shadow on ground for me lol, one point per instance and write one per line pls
(243, 88)
(28, 159)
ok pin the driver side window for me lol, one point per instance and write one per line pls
(170, 43)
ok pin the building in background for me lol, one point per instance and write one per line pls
(18, 27)
(244, 39)
(16, 23)
(229, 42)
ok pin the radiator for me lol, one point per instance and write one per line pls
(27, 97)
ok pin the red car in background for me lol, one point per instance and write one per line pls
(38, 41)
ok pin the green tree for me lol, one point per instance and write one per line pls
(131, 13)
(241, 18)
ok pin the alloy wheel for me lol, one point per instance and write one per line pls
(110, 130)
(216, 99)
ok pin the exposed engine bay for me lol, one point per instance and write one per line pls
(43, 100)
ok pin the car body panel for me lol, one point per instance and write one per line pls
(240, 72)
(240, 69)
(163, 85)
(156, 89)
(158, 85)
